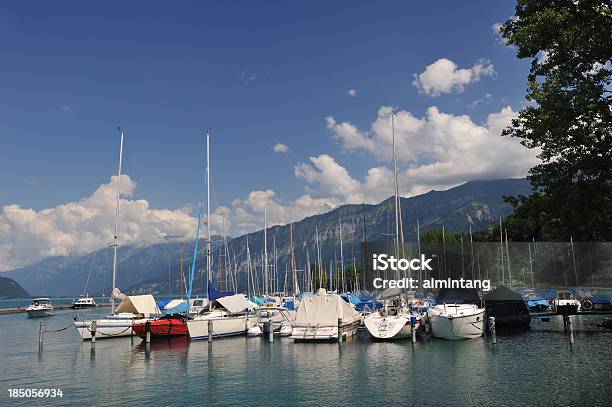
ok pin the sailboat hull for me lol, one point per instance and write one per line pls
(107, 328)
(324, 333)
(390, 327)
(457, 322)
(162, 328)
(221, 326)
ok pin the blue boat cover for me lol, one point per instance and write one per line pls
(213, 294)
(182, 308)
(162, 304)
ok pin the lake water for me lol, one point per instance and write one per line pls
(535, 367)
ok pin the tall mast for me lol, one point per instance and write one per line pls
(501, 250)
(112, 301)
(395, 191)
(319, 264)
(266, 278)
(508, 260)
(181, 268)
(341, 252)
(293, 271)
(208, 243)
(419, 246)
(531, 267)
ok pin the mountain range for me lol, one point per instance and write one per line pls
(155, 269)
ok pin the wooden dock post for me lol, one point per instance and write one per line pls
(210, 330)
(492, 330)
(413, 328)
(94, 328)
(571, 330)
(339, 330)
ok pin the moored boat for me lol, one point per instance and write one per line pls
(507, 306)
(393, 321)
(165, 326)
(132, 310)
(230, 315)
(325, 316)
(457, 314)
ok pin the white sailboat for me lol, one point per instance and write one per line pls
(229, 314)
(132, 309)
(395, 319)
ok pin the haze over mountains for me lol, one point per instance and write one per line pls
(146, 269)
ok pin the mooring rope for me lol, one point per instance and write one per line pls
(118, 333)
(59, 330)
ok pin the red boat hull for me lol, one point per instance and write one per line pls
(162, 328)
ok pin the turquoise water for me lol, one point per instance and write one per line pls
(535, 367)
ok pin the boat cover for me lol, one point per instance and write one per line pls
(324, 309)
(235, 303)
(213, 294)
(138, 304)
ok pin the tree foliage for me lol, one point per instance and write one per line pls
(568, 119)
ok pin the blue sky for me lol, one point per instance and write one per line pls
(258, 73)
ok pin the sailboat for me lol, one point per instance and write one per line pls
(132, 309)
(395, 319)
(228, 313)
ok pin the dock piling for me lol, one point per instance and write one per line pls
(94, 328)
(571, 330)
(210, 330)
(492, 330)
(41, 335)
(339, 330)
(148, 331)
(270, 331)
(413, 328)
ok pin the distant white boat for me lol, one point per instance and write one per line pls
(317, 318)
(230, 315)
(83, 302)
(40, 307)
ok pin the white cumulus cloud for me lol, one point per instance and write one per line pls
(444, 76)
(351, 92)
(280, 148)
(79, 227)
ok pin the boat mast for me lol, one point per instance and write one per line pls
(501, 250)
(266, 278)
(341, 254)
(395, 192)
(319, 264)
(112, 300)
(208, 242)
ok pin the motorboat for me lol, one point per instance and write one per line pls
(325, 316)
(230, 315)
(40, 307)
(276, 317)
(83, 303)
(458, 314)
(132, 310)
(566, 302)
